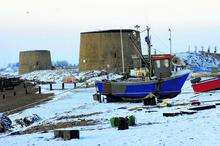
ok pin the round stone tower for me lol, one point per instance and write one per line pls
(34, 60)
(103, 50)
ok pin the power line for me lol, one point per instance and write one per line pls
(160, 40)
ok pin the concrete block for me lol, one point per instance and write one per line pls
(67, 134)
(151, 99)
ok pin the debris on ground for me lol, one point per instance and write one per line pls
(66, 134)
(171, 114)
(150, 99)
(27, 121)
(45, 127)
(5, 123)
(131, 120)
(115, 121)
(78, 116)
(166, 103)
(202, 107)
(123, 123)
(195, 102)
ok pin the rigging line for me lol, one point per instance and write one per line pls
(158, 50)
(162, 42)
(158, 39)
(137, 49)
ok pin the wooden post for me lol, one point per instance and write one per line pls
(74, 85)
(39, 89)
(26, 91)
(14, 93)
(3, 96)
(63, 86)
(51, 86)
(97, 97)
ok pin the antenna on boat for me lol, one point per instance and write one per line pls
(170, 39)
(148, 40)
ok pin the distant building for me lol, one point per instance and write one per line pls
(102, 50)
(34, 60)
(208, 51)
(215, 50)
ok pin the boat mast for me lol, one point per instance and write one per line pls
(149, 51)
(122, 52)
(170, 39)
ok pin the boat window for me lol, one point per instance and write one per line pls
(166, 63)
(158, 63)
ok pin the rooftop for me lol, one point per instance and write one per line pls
(109, 31)
(34, 51)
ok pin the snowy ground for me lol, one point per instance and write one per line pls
(83, 79)
(152, 128)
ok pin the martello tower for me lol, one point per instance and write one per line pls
(103, 49)
(34, 60)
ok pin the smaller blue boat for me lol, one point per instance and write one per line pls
(124, 90)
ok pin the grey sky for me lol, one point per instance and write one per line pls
(56, 24)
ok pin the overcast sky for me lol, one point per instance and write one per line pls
(56, 24)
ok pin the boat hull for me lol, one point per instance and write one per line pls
(166, 88)
(207, 85)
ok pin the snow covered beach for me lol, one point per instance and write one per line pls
(152, 128)
(72, 107)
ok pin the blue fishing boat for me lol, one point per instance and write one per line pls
(161, 81)
(125, 90)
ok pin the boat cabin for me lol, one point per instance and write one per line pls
(161, 64)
